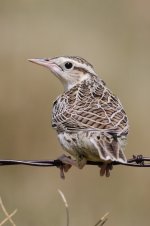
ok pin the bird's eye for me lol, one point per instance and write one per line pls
(68, 65)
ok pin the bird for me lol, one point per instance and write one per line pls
(90, 120)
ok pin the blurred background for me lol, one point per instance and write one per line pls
(115, 37)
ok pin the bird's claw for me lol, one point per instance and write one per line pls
(105, 169)
(67, 163)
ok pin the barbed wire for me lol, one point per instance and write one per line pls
(135, 161)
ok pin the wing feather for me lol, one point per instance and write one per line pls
(89, 107)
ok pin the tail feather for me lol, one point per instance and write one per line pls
(110, 149)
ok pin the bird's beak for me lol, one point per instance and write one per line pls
(46, 62)
(43, 62)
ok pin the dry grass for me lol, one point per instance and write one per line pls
(103, 220)
(8, 217)
(100, 222)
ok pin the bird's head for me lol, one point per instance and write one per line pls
(71, 70)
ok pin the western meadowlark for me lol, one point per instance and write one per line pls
(89, 119)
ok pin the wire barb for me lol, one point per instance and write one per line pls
(135, 161)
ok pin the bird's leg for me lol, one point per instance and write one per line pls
(105, 169)
(67, 163)
(81, 162)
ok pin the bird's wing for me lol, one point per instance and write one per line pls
(91, 108)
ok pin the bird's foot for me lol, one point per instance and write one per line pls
(105, 169)
(81, 162)
(67, 163)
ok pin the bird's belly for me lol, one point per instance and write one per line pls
(79, 144)
(94, 145)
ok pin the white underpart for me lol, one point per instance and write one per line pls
(70, 83)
